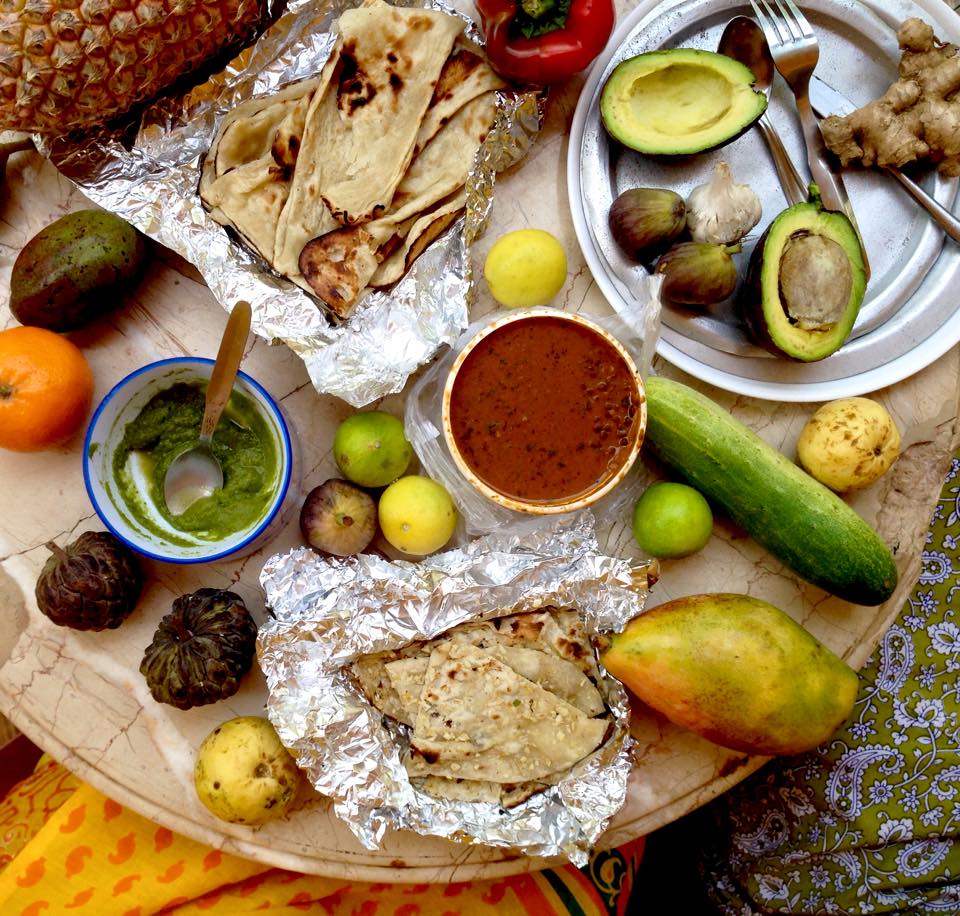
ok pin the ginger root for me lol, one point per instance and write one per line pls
(918, 117)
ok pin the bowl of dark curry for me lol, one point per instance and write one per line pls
(544, 411)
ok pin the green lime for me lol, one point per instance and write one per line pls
(525, 267)
(417, 515)
(371, 449)
(672, 520)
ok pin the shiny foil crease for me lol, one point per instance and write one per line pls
(152, 180)
(329, 611)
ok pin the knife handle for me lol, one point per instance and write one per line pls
(832, 192)
(942, 216)
(824, 171)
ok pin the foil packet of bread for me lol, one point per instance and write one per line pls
(461, 696)
(333, 174)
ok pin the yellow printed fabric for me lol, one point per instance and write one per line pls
(67, 849)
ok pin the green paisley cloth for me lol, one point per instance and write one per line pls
(870, 821)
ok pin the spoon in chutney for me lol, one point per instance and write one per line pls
(196, 472)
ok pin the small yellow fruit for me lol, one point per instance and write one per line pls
(849, 444)
(526, 267)
(243, 773)
(417, 515)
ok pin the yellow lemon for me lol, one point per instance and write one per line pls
(417, 515)
(525, 267)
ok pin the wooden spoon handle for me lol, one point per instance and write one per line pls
(225, 368)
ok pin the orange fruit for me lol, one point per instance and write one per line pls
(45, 389)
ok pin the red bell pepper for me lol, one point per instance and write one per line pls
(544, 41)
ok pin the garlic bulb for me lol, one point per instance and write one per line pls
(720, 211)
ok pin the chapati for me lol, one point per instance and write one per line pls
(406, 677)
(346, 178)
(554, 674)
(479, 719)
(469, 790)
(249, 198)
(387, 63)
(248, 131)
(464, 76)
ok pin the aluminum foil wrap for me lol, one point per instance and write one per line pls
(329, 611)
(152, 181)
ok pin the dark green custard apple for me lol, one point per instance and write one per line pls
(91, 584)
(200, 650)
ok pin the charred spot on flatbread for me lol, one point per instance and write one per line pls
(459, 65)
(355, 88)
(512, 796)
(289, 135)
(526, 627)
(436, 228)
(421, 23)
(338, 265)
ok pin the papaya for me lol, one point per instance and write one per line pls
(75, 270)
(735, 670)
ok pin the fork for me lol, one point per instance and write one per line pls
(795, 53)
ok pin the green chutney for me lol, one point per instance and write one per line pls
(242, 442)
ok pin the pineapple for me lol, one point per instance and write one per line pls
(69, 64)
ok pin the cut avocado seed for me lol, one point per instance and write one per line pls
(805, 283)
(338, 518)
(679, 101)
(815, 280)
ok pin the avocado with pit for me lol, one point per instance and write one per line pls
(805, 283)
(679, 101)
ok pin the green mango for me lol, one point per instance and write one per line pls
(75, 270)
(737, 671)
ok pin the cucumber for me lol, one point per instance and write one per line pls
(801, 522)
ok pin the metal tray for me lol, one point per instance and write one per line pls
(909, 317)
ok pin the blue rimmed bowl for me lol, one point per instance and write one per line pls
(121, 406)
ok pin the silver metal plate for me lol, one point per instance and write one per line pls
(910, 315)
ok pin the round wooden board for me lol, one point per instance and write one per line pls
(80, 696)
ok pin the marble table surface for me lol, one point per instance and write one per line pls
(80, 695)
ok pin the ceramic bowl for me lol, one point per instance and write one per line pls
(122, 405)
(545, 507)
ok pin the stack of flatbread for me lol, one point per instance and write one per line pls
(497, 710)
(341, 181)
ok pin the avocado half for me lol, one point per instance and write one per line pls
(805, 283)
(679, 101)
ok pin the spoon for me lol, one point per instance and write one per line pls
(196, 472)
(744, 41)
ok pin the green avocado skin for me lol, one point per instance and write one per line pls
(760, 302)
(623, 117)
(802, 523)
(75, 270)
